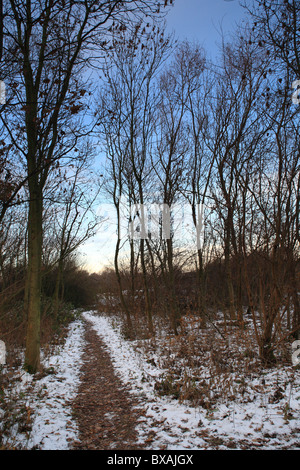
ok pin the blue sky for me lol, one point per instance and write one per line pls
(201, 20)
(195, 20)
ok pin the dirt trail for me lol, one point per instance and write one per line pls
(104, 409)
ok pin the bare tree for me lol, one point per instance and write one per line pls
(235, 133)
(129, 101)
(73, 215)
(46, 47)
(199, 160)
(277, 26)
(169, 160)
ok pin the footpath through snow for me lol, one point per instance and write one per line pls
(165, 423)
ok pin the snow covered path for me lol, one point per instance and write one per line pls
(176, 426)
(165, 423)
(172, 426)
(105, 410)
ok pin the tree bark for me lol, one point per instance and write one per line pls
(33, 282)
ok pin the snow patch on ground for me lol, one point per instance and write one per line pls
(178, 426)
(166, 419)
(47, 399)
(166, 423)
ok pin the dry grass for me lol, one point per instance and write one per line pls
(204, 366)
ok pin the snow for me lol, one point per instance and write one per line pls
(53, 425)
(173, 425)
(177, 426)
(47, 398)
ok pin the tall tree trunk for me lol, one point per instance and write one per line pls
(57, 296)
(296, 303)
(231, 302)
(239, 300)
(201, 289)
(122, 299)
(132, 270)
(33, 281)
(144, 235)
(273, 308)
(117, 271)
(175, 314)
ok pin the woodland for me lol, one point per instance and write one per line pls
(102, 105)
